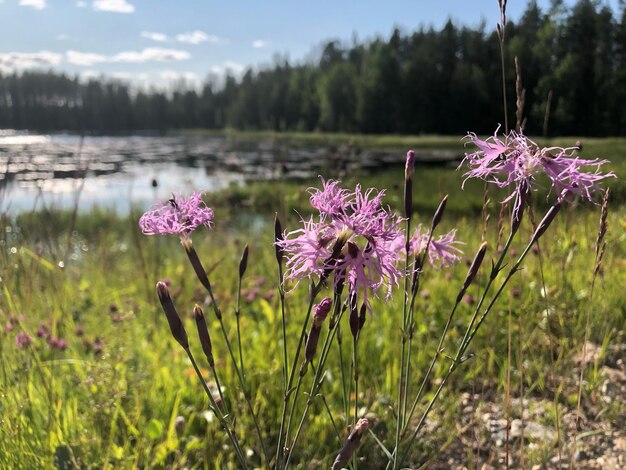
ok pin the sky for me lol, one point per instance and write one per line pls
(158, 42)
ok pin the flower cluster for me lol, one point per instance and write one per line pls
(353, 237)
(178, 216)
(442, 251)
(516, 160)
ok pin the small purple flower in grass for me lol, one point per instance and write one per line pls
(442, 252)
(57, 343)
(516, 160)
(23, 340)
(42, 331)
(353, 236)
(178, 216)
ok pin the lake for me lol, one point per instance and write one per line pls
(39, 170)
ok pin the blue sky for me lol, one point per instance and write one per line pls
(158, 41)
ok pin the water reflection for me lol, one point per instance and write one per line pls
(118, 171)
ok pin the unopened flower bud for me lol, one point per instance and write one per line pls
(320, 312)
(195, 263)
(278, 237)
(351, 444)
(409, 167)
(408, 183)
(439, 212)
(546, 221)
(243, 263)
(354, 315)
(473, 269)
(362, 315)
(176, 325)
(203, 334)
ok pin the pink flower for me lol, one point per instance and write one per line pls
(518, 161)
(353, 237)
(23, 340)
(442, 251)
(178, 216)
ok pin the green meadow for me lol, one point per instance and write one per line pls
(123, 394)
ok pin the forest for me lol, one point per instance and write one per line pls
(429, 81)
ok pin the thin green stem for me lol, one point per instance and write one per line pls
(430, 368)
(405, 300)
(281, 293)
(332, 420)
(495, 271)
(218, 386)
(414, 289)
(237, 312)
(355, 344)
(344, 392)
(242, 384)
(470, 333)
(317, 382)
(281, 437)
(218, 413)
(293, 408)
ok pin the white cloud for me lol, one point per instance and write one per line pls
(85, 59)
(228, 66)
(114, 6)
(196, 37)
(260, 43)
(36, 4)
(157, 54)
(11, 61)
(159, 37)
(81, 4)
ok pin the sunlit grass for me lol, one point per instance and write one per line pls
(138, 402)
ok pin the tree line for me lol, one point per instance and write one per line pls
(440, 81)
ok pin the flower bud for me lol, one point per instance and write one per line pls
(354, 315)
(439, 212)
(362, 315)
(195, 263)
(546, 221)
(320, 312)
(351, 444)
(278, 237)
(243, 263)
(203, 334)
(176, 325)
(473, 269)
(409, 167)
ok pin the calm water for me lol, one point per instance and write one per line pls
(117, 172)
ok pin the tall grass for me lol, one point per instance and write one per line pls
(137, 402)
